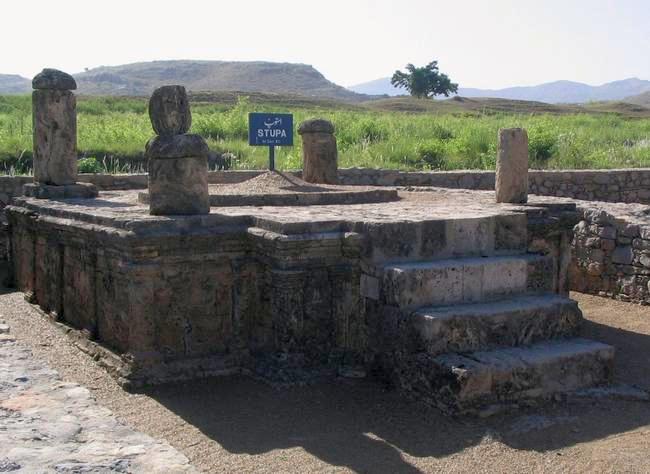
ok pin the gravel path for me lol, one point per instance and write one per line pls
(239, 425)
(47, 425)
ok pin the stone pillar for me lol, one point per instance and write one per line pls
(512, 166)
(54, 114)
(319, 152)
(178, 161)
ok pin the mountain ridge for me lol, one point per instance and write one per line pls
(561, 91)
(14, 84)
(642, 99)
(141, 78)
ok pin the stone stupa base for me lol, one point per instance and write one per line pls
(275, 188)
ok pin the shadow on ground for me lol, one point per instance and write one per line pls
(367, 428)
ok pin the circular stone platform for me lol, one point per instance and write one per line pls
(275, 188)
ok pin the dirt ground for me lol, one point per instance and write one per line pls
(240, 425)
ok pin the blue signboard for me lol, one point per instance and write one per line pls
(270, 129)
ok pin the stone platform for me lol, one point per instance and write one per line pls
(407, 287)
(280, 189)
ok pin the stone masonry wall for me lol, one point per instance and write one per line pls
(611, 251)
(628, 185)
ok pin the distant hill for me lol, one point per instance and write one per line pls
(488, 105)
(14, 84)
(641, 99)
(141, 79)
(301, 80)
(552, 92)
(378, 87)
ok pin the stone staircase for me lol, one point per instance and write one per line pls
(486, 331)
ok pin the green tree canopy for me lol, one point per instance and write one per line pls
(424, 81)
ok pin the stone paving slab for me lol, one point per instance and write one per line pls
(121, 209)
(48, 425)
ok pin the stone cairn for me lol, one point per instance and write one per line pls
(512, 166)
(178, 161)
(319, 153)
(54, 112)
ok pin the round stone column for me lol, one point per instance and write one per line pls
(54, 113)
(512, 166)
(178, 161)
(319, 153)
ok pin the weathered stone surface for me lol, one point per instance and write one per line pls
(606, 232)
(55, 136)
(177, 146)
(198, 295)
(313, 197)
(66, 191)
(53, 426)
(481, 180)
(460, 280)
(319, 152)
(53, 79)
(510, 374)
(519, 320)
(512, 166)
(178, 186)
(623, 255)
(169, 111)
(316, 126)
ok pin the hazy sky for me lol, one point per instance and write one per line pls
(487, 44)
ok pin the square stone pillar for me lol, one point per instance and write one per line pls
(54, 114)
(179, 186)
(512, 166)
(178, 161)
(319, 152)
(55, 137)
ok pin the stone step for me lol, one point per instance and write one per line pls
(478, 379)
(470, 236)
(466, 280)
(517, 321)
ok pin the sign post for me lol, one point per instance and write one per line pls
(270, 130)
(272, 157)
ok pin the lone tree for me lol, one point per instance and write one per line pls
(424, 81)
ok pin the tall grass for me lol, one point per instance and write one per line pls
(119, 127)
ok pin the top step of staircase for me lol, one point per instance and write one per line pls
(414, 285)
(499, 234)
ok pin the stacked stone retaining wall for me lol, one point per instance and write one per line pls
(625, 185)
(628, 185)
(611, 251)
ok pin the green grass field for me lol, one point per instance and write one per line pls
(443, 136)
